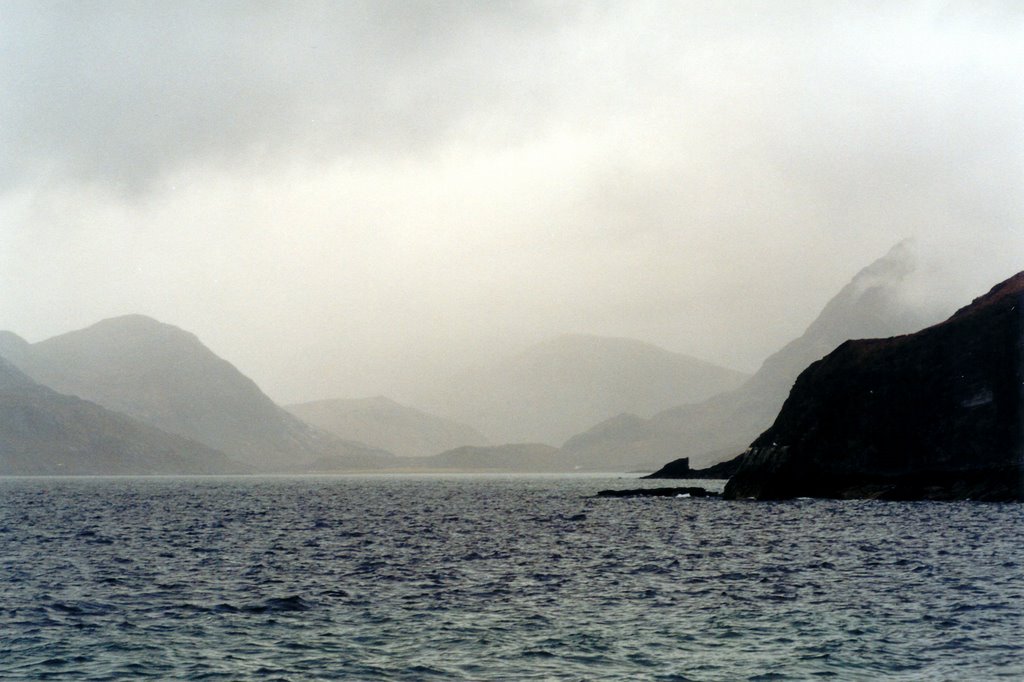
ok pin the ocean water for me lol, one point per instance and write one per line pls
(496, 578)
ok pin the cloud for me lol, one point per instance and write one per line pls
(124, 92)
(369, 182)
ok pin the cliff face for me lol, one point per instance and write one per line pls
(935, 415)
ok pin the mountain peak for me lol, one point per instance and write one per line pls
(136, 324)
(874, 303)
(561, 386)
(132, 319)
(167, 377)
(872, 299)
(13, 348)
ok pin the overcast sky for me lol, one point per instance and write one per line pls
(336, 195)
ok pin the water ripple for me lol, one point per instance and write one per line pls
(479, 578)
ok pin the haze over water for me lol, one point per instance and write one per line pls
(374, 198)
(477, 578)
(359, 198)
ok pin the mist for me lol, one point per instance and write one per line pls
(347, 199)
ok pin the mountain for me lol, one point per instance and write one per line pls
(11, 377)
(166, 377)
(936, 415)
(874, 303)
(43, 432)
(557, 388)
(521, 457)
(385, 424)
(13, 348)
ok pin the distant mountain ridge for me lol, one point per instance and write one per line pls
(166, 377)
(161, 375)
(872, 304)
(556, 388)
(532, 457)
(383, 423)
(43, 432)
(11, 376)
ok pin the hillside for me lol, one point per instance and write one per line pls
(166, 377)
(514, 457)
(385, 424)
(937, 415)
(874, 303)
(43, 433)
(555, 389)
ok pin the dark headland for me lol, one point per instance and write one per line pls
(680, 468)
(938, 414)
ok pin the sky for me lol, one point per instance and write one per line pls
(353, 198)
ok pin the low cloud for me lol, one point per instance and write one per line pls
(340, 193)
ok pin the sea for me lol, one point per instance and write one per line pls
(478, 577)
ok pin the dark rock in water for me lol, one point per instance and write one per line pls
(677, 468)
(934, 415)
(680, 468)
(658, 492)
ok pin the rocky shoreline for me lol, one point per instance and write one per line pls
(692, 491)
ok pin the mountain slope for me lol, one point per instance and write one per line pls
(11, 376)
(514, 457)
(556, 388)
(872, 304)
(936, 414)
(164, 376)
(14, 348)
(383, 423)
(43, 432)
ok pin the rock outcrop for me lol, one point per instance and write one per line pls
(680, 468)
(934, 415)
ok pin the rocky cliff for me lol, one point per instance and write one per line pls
(934, 415)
